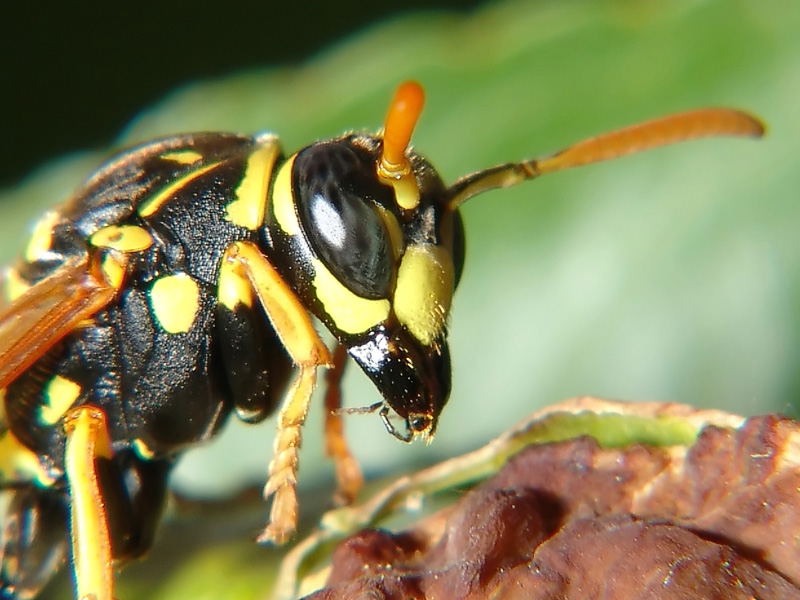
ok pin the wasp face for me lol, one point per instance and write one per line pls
(377, 261)
(413, 378)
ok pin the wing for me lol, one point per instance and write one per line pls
(51, 309)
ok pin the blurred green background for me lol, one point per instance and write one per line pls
(673, 275)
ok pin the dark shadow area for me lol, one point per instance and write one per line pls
(73, 75)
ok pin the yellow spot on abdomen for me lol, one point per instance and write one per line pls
(175, 302)
(424, 291)
(42, 237)
(350, 313)
(60, 394)
(247, 208)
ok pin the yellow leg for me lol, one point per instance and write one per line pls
(282, 483)
(87, 439)
(348, 473)
(293, 326)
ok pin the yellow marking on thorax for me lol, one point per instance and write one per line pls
(14, 285)
(19, 463)
(184, 157)
(250, 197)
(152, 204)
(282, 200)
(42, 238)
(175, 302)
(113, 270)
(60, 394)
(424, 291)
(125, 238)
(350, 313)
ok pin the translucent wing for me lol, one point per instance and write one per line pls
(44, 314)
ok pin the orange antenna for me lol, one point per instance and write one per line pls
(401, 119)
(394, 167)
(681, 127)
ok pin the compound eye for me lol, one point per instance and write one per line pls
(337, 196)
(459, 246)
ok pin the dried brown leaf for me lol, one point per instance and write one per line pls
(573, 520)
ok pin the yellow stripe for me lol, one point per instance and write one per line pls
(283, 201)
(350, 313)
(152, 204)
(175, 301)
(395, 232)
(250, 197)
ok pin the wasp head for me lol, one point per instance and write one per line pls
(375, 253)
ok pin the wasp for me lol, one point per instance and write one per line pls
(184, 282)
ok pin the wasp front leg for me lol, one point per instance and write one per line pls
(88, 440)
(293, 326)
(348, 474)
(116, 501)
